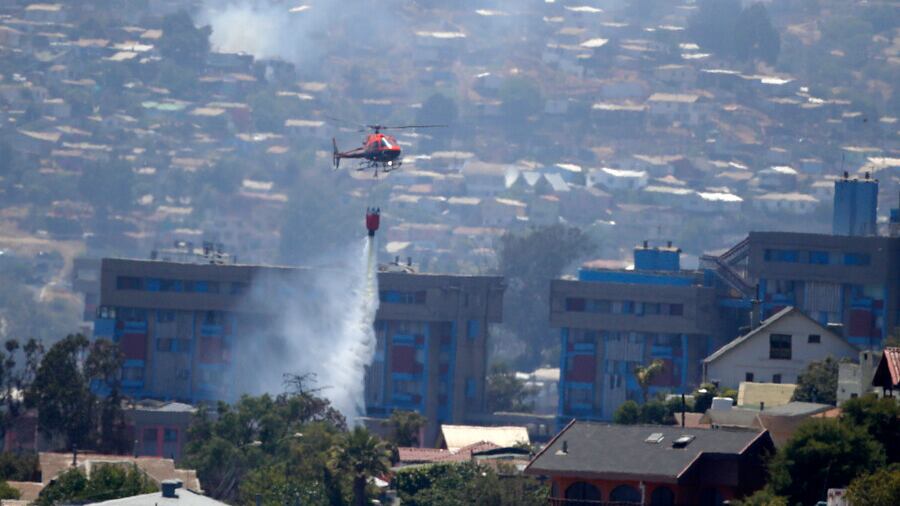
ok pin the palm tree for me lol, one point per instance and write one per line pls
(361, 455)
(646, 374)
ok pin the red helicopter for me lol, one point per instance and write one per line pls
(378, 150)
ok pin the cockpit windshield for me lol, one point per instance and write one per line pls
(386, 143)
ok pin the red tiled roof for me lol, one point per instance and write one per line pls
(432, 455)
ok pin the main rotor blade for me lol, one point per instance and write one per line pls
(407, 126)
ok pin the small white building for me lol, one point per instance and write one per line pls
(617, 179)
(794, 203)
(775, 352)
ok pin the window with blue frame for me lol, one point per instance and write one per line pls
(818, 257)
(472, 329)
(471, 388)
(128, 283)
(857, 259)
(782, 255)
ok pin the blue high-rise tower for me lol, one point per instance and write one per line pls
(855, 206)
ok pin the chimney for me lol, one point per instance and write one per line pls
(846, 175)
(762, 405)
(646, 244)
(754, 314)
(668, 244)
(409, 261)
(169, 487)
(867, 176)
(683, 409)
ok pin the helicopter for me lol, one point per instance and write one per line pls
(378, 151)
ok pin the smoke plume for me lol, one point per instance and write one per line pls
(321, 322)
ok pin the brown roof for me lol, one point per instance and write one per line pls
(432, 455)
(53, 464)
(29, 490)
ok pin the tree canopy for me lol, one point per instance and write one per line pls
(818, 382)
(528, 262)
(823, 454)
(881, 488)
(505, 392)
(107, 482)
(726, 28)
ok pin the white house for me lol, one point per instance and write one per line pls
(795, 203)
(617, 179)
(777, 351)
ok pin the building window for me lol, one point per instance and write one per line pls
(472, 329)
(238, 288)
(128, 283)
(575, 304)
(471, 388)
(164, 344)
(815, 339)
(781, 255)
(776, 378)
(818, 257)
(780, 346)
(857, 259)
(170, 435)
(676, 309)
(748, 377)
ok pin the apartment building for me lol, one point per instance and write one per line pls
(181, 324)
(612, 321)
(431, 352)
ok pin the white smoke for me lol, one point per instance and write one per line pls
(322, 323)
(267, 29)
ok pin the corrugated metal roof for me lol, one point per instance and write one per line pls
(460, 436)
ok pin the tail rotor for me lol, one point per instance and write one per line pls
(336, 156)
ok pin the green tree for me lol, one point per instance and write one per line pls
(881, 488)
(880, 417)
(763, 497)
(645, 374)
(822, 454)
(360, 455)
(505, 392)
(60, 392)
(240, 447)
(528, 262)
(7, 491)
(19, 467)
(107, 482)
(182, 42)
(818, 382)
(405, 427)
(467, 483)
(656, 412)
(755, 38)
(102, 368)
(725, 28)
(629, 413)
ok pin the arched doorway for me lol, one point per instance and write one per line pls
(662, 496)
(582, 491)
(625, 493)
